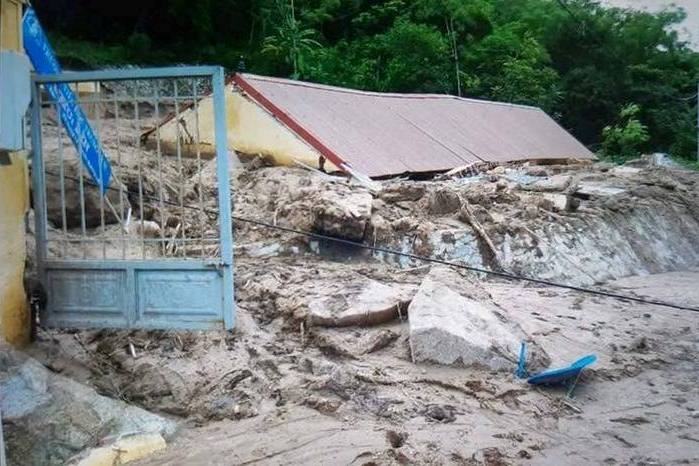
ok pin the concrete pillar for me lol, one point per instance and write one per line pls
(14, 202)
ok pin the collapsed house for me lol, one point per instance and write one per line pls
(374, 134)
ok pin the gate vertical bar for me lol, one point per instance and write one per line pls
(224, 197)
(38, 180)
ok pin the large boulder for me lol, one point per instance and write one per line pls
(48, 418)
(453, 321)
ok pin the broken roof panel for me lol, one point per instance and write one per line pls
(387, 134)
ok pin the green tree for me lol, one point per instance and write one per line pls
(578, 60)
(290, 41)
(626, 138)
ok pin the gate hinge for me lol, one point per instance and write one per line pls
(219, 266)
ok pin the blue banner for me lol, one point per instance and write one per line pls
(40, 53)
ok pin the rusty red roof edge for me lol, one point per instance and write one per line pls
(287, 120)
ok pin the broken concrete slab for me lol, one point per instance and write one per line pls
(550, 184)
(453, 321)
(367, 302)
(589, 189)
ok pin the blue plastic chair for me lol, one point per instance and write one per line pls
(556, 376)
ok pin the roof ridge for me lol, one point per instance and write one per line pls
(390, 95)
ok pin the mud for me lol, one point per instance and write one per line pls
(274, 391)
(286, 387)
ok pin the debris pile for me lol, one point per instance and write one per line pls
(373, 357)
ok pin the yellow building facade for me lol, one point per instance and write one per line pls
(14, 202)
(252, 131)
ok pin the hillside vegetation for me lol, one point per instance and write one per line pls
(588, 66)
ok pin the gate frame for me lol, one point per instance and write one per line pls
(225, 264)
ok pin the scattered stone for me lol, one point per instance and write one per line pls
(380, 340)
(490, 457)
(537, 170)
(342, 214)
(92, 197)
(560, 202)
(440, 413)
(396, 439)
(145, 228)
(339, 342)
(402, 192)
(323, 405)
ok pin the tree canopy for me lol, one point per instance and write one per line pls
(583, 63)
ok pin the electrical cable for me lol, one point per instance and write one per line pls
(356, 244)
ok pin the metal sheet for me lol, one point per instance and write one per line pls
(14, 98)
(387, 134)
(87, 297)
(167, 295)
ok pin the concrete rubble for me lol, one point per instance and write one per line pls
(355, 356)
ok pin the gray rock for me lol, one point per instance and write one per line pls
(454, 322)
(550, 184)
(49, 418)
(595, 189)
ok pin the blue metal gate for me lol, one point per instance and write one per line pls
(153, 248)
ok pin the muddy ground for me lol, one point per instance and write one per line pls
(269, 393)
(281, 390)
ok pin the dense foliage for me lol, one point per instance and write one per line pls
(584, 64)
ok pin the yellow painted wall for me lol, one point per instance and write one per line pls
(14, 188)
(251, 131)
(10, 20)
(14, 201)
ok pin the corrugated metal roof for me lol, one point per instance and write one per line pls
(382, 134)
